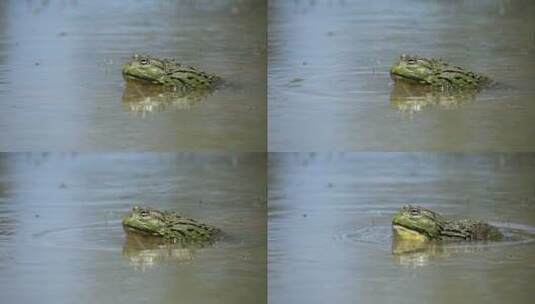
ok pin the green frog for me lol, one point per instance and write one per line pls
(437, 74)
(415, 223)
(167, 72)
(167, 225)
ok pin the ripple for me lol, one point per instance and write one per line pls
(104, 236)
(515, 234)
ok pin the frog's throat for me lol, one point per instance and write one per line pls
(408, 234)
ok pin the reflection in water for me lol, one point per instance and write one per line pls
(145, 252)
(411, 98)
(141, 98)
(415, 253)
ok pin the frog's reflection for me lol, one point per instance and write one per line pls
(407, 97)
(415, 252)
(141, 98)
(145, 252)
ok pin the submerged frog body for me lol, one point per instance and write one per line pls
(168, 225)
(437, 74)
(417, 223)
(167, 72)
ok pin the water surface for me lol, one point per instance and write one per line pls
(61, 239)
(330, 90)
(61, 86)
(330, 237)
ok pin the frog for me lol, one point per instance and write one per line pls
(168, 225)
(437, 74)
(168, 72)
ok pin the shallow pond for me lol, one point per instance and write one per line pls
(330, 88)
(61, 86)
(330, 238)
(61, 239)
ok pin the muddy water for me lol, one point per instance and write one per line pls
(61, 240)
(329, 86)
(330, 239)
(61, 86)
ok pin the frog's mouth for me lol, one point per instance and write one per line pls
(395, 76)
(404, 232)
(129, 76)
(137, 230)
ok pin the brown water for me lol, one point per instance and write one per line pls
(330, 235)
(61, 86)
(330, 90)
(61, 240)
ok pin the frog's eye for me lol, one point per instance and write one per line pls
(144, 61)
(411, 61)
(144, 213)
(414, 212)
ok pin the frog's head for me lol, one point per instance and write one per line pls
(145, 220)
(415, 69)
(144, 68)
(416, 223)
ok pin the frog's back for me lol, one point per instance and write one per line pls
(469, 229)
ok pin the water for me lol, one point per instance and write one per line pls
(330, 237)
(61, 87)
(330, 89)
(61, 239)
